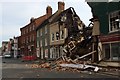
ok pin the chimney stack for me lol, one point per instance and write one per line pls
(61, 6)
(48, 11)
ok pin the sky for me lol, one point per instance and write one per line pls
(15, 14)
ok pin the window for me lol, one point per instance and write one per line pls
(115, 51)
(41, 43)
(114, 19)
(45, 42)
(46, 53)
(30, 28)
(52, 37)
(24, 40)
(46, 30)
(27, 30)
(33, 26)
(37, 43)
(107, 51)
(33, 38)
(57, 35)
(62, 34)
(30, 39)
(42, 53)
(112, 51)
(24, 32)
(40, 32)
(27, 39)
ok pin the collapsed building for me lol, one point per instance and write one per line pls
(65, 35)
(81, 40)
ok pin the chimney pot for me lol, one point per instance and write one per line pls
(48, 11)
(61, 5)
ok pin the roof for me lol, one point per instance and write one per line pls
(46, 21)
(5, 42)
(56, 16)
(37, 21)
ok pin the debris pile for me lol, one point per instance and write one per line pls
(61, 65)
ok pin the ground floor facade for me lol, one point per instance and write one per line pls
(50, 52)
(111, 49)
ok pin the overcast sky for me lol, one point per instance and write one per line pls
(15, 14)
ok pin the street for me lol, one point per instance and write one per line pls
(16, 69)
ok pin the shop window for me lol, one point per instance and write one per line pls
(42, 53)
(112, 51)
(46, 53)
(115, 51)
(114, 19)
(107, 51)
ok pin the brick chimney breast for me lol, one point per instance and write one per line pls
(61, 6)
(48, 11)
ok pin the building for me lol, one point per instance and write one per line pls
(108, 14)
(0, 51)
(4, 47)
(43, 34)
(16, 49)
(27, 39)
(11, 47)
(51, 34)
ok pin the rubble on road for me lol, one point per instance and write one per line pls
(61, 65)
(80, 66)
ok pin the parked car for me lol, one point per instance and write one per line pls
(7, 55)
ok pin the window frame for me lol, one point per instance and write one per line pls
(112, 15)
(52, 37)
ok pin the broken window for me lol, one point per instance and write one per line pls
(114, 19)
(52, 37)
(57, 35)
